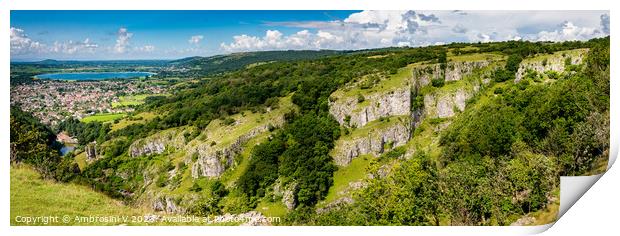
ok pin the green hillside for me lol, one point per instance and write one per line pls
(33, 196)
(457, 134)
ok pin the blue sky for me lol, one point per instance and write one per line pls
(103, 35)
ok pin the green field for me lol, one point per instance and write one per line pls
(272, 209)
(33, 196)
(132, 100)
(104, 117)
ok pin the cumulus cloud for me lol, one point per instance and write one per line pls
(196, 39)
(275, 40)
(373, 29)
(22, 44)
(364, 29)
(569, 31)
(122, 40)
(73, 47)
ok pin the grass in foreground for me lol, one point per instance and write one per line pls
(33, 196)
(272, 209)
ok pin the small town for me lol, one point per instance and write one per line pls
(52, 101)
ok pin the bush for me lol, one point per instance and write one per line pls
(360, 98)
(438, 82)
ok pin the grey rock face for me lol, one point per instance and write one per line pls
(423, 75)
(91, 151)
(147, 148)
(288, 196)
(157, 143)
(555, 62)
(444, 105)
(337, 204)
(373, 142)
(213, 160)
(456, 70)
(375, 106)
(168, 205)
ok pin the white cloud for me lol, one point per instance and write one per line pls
(569, 31)
(122, 40)
(22, 44)
(146, 48)
(275, 40)
(73, 47)
(373, 29)
(195, 39)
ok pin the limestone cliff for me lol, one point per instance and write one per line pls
(456, 70)
(350, 112)
(553, 62)
(157, 143)
(375, 138)
(213, 160)
(214, 150)
(444, 105)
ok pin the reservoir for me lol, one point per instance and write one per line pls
(94, 75)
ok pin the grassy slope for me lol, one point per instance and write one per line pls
(126, 121)
(355, 171)
(33, 196)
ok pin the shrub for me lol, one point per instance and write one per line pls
(438, 82)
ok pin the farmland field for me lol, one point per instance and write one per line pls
(105, 117)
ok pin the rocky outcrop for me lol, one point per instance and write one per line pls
(168, 205)
(445, 105)
(424, 74)
(288, 196)
(372, 140)
(213, 160)
(554, 62)
(350, 112)
(157, 143)
(91, 151)
(335, 205)
(455, 70)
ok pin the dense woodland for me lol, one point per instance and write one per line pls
(518, 142)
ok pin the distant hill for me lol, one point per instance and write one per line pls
(234, 61)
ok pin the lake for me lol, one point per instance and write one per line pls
(93, 75)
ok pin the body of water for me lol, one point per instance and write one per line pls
(67, 148)
(94, 75)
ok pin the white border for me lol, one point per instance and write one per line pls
(6, 5)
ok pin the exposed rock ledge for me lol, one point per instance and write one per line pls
(444, 105)
(554, 62)
(455, 70)
(375, 106)
(213, 160)
(157, 143)
(372, 140)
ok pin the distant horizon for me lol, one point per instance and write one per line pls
(282, 50)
